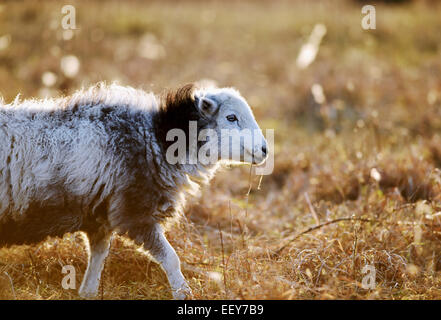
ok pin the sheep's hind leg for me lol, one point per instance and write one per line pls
(99, 244)
(161, 250)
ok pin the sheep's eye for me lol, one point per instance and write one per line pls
(231, 118)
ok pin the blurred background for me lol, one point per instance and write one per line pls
(356, 115)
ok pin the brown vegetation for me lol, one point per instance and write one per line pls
(369, 152)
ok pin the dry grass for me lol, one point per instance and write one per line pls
(382, 112)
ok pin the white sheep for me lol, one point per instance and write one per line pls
(97, 162)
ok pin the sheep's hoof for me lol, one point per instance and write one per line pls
(87, 293)
(183, 293)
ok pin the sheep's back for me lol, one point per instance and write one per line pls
(53, 165)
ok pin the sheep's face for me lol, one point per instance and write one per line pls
(232, 128)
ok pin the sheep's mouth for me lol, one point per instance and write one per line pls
(260, 160)
(255, 160)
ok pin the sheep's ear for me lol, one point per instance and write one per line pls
(206, 106)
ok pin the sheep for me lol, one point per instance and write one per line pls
(98, 162)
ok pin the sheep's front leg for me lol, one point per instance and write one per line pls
(99, 248)
(161, 250)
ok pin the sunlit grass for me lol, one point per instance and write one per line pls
(381, 111)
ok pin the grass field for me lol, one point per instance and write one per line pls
(366, 151)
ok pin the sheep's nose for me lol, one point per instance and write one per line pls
(264, 150)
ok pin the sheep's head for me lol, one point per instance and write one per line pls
(231, 127)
